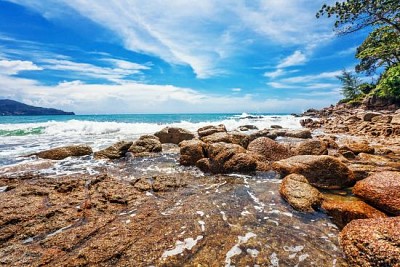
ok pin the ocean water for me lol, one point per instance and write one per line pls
(23, 135)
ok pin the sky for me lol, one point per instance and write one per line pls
(177, 56)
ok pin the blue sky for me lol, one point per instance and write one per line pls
(179, 56)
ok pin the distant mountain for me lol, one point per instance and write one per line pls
(13, 108)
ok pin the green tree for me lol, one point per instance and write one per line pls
(350, 85)
(389, 83)
(353, 15)
(380, 49)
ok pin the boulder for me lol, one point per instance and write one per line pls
(263, 133)
(204, 165)
(360, 147)
(269, 149)
(220, 153)
(311, 147)
(381, 119)
(211, 129)
(303, 134)
(241, 162)
(381, 190)
(372, 242)
(65, 152)
(116, 151)
(233, 137)
(321, 171)
(146, 143)
(191, 151)
(299, 193)
(395, 119)
(173, 135)
(343, 211)
(245, 128)
(368, 116)
(239, 139)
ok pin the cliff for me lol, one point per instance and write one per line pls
(13, 108)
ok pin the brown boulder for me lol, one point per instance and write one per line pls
(321, 171)
(269, 149)
(303, 134)
(146, 143)
(382, 119)
(239, 139)
(220, 153)
(381, 190)
(311, 147)
(360, 147)
(211, 129)
(217, 137)
(343, 211)
(396, 119)
(204, 165)
(191, 151)
(174, 135)
(263, 133)
(299, 193)
(241, 162)
(368, 116)
(65, 152)
(245, 128)
(372, 242)
(116, 151)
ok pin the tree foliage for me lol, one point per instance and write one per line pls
(389, 83)
(350, 84)
(353, 15)
(380, 49)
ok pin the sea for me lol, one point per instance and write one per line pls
(24, 135)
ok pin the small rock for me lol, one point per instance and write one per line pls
(116, 151)
(146, 143)
(299, 193)
(368, 116)
(311, 147)
(211, 129)
(269, 149)
(276, 127)
(241, 162)
(263, 133)
(245, 128)
(360, 147)
(303, 134)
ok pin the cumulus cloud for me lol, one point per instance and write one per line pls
(12, 67)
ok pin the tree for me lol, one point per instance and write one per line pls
(350, 85)
(389, 83)
(380, 49)
(353, 15)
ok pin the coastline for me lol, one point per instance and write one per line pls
(160, 204)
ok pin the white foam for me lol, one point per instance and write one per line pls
(235, 250)
(274, 260)
(180, 246)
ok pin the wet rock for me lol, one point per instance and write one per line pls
(276, 127)
(269, 149)
(161, 183)
(241, 162)
(263, 133)
(381, 190)
(311, 147)
(303, 134)
(174, 135)
(245, 128)
(343, 211)
(321, 171)
(146, 143)
(211, 129)
(372, 242)
(368, 116)
(116, 151)
(65, 152)
(191, 151)
(219, 153)
(296, 190)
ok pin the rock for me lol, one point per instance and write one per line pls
(374, 159)
(321, 171)
(116, 151)
(245, 128)
(239, 139)
(220, 153)
(343, 211)
(396, 119)
(211, 129)
(241, 162)
(299, 193)
(160, 183)
(360, 147)
(146, 143)
(381, 190)
(276, 127)
(191, 151)
(303, 134)
(381, 119)
(372, 242)
(347, 153)
(311, 147)
(269, 149)
(204, 165)
(65, 152)
(368, 116)
(173, 135)
(263, 133)
(233, 137)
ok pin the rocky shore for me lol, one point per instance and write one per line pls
(248, 197)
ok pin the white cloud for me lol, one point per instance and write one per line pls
(310, 78)
(12, 67)
(201, 34)
(236, 89)
(297, 58)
